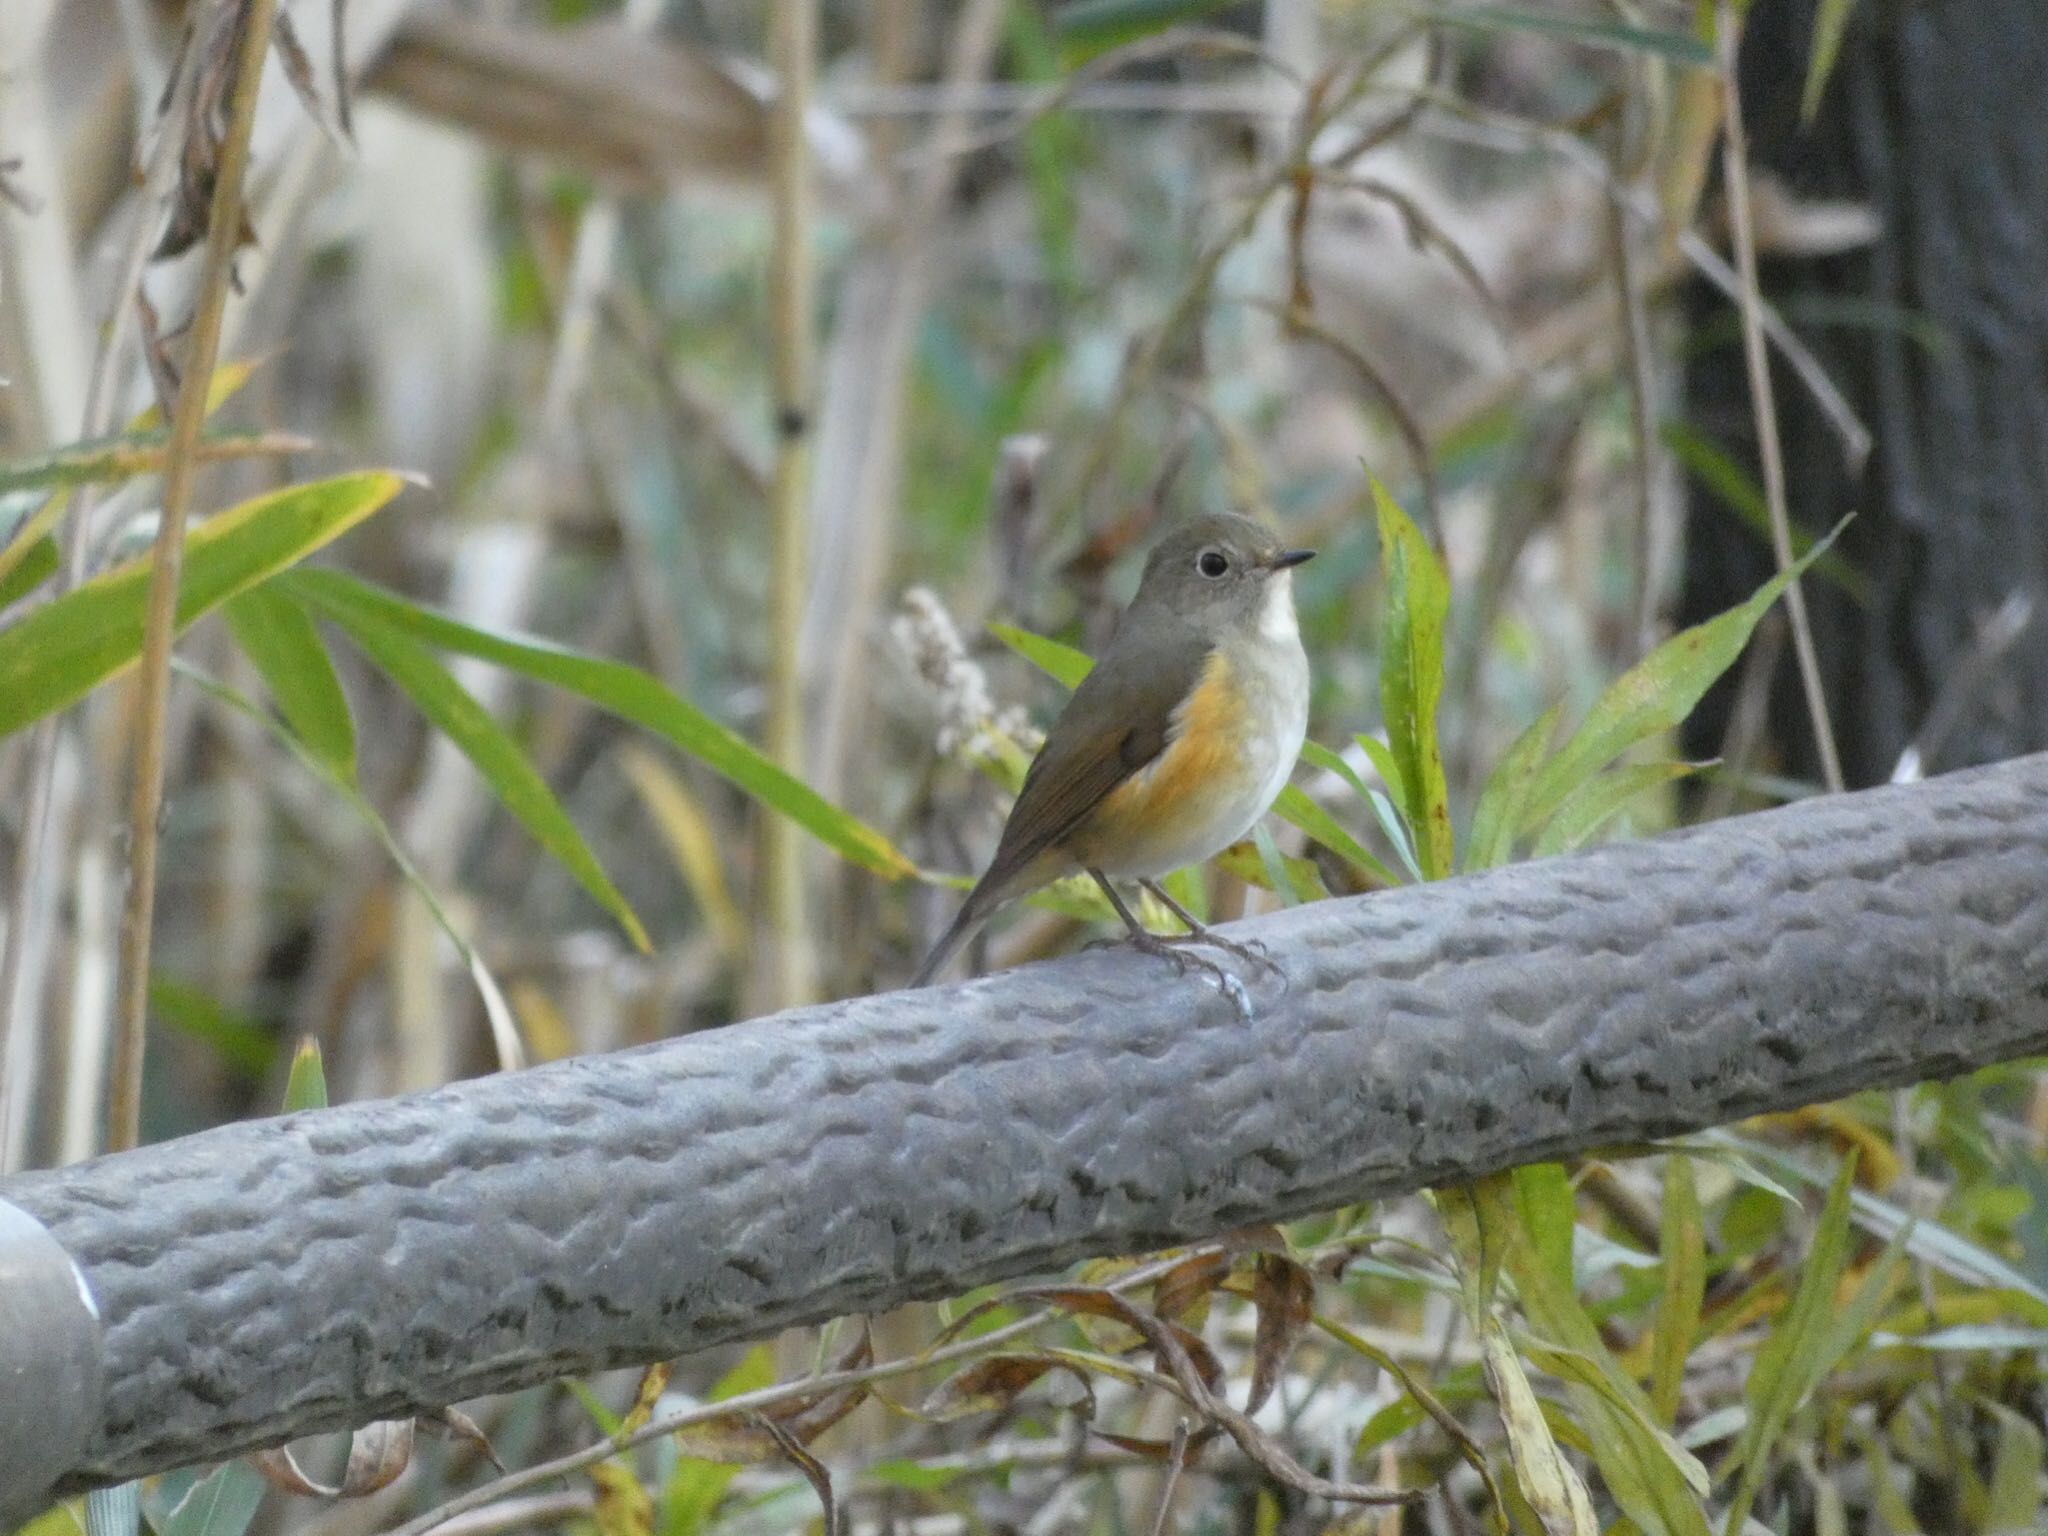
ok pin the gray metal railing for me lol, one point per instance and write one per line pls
(270, 1279)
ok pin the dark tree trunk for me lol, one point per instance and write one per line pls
(1936, 117)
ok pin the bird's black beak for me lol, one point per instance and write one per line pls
(1288, 558)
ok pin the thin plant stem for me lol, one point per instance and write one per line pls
(224, 225)
(783, 962)
(768, 1397)
(1769, 451)
(1642, 395)
(1176, 1463)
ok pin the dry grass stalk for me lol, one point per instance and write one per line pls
(783, 965)
(1761, 398)
(224, 232)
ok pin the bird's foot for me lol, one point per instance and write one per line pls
(1251, 951)
(1174, 949)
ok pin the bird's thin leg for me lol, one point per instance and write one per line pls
(1145, 940)
(1199, 932)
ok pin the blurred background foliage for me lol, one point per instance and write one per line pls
(1079, 268)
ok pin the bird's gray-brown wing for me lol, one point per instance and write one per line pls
(1117, 721)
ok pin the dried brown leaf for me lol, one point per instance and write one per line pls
(640, 111)
(984, 1387)
(344, 110)
(454, 1424)
(743, 1442)
(377, 1454)
(298, 69)
(1284, 1294)
(813, 1470)
(1182, 1295)
(1156, 1450)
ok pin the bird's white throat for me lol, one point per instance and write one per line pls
(1276, 615)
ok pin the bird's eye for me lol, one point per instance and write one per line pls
(1212, 562)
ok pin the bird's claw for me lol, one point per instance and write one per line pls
(1174, 949)
(1251, 951)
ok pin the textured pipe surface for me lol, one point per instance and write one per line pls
(284, 1276)
(49, 1363)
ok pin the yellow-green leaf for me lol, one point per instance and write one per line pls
(66, 648)
(1492, 838)
(306, 1087)
(1552, 1488)
(1597, 801)
(623, 691)
(29, 539)
(692, 843)
(1060, 662)
(1808, 1338)
(23, 570)
(1416, 596)
(281, 642)
(1682, 1244)
(1549, 1212)
(1655, 694)
(1830, 21)
(454, 712)
(101, 460)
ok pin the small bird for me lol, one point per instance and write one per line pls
(1175, 743)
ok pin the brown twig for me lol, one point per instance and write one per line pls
(1176, 1463)
(224, 230)
(1736, 175)
(765, 1398)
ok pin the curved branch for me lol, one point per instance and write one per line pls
(271, 1279)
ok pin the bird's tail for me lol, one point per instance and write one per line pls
(958, 932)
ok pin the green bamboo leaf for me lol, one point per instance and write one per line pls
(504, 1029)
(1830, 21)
(1492, 838)
(1316, 755)
(1736, 489)
(1062, 663)
(220, 1504)
(1677, 47)
(23, 571)
(1296, 809)
(1656, 1482)
(1809, 1337)
(280, 640)
(24, 544)
(240, 1041)
(2013, 1496)
(306, 1087)
(624, 691)
(1553, 1489)
(1067, 666)
(1597, 801)
(1089, 28)
(454, 712)
(1655, 694)
(1382, 759)
(101, 460)
(1416, 594)
(1682, 1244)
(60, 652)
(1549, 1212)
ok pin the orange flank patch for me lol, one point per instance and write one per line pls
(1144, 825)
